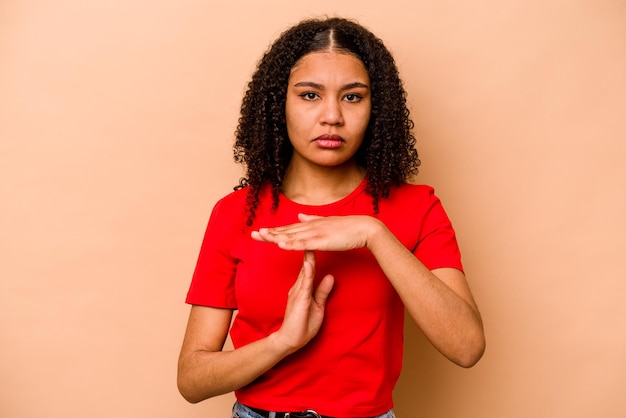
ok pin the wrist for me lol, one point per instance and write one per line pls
(279, 346)
(373, 233)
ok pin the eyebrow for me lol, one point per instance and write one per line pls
(356, 84)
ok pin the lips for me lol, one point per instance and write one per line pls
(329, 141)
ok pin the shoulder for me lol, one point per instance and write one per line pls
(416, 199)
(235, 205)
(229, 210)
(233, 199)
(239, 196)
(412, 192)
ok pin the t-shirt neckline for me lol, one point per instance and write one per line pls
(301, 207)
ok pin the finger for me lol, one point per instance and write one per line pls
(310, 257)
(296, 245)
(276, 235)
(257, 236)
(272, 235)
(323, 290)
(307, 276)
(307, 273)
(303, 217)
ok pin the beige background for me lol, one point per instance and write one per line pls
(116, 121)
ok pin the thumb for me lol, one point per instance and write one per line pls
(303, 217)
(323, 290)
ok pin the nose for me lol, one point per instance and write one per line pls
(331, 113)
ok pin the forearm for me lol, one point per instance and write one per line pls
(204, 370)
(203, 374)
(448, 317)
(439, 302)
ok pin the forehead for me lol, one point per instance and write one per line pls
(329, 65)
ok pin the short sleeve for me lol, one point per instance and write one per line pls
(212, 283)
(437, 246)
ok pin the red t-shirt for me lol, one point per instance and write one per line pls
(350, 368)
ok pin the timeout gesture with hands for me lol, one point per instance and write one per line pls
(333, 233)
(313, 148)
(305, 307)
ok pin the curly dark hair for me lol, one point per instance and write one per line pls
(387, 153)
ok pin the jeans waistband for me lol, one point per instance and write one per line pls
(309, 413)
(244, 411)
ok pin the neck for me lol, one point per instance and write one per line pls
(322, 186)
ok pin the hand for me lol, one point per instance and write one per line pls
(305, 308)
(333, 233)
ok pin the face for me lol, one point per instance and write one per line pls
(327, 108)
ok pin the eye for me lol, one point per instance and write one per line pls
(309, 95)
(352, 97)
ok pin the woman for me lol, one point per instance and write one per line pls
(325, 242)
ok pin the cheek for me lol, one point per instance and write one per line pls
(298, 120)
(366, 121)
(291, 121)
(362, 115)
(363, 120)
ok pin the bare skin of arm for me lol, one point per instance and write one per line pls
(204, 370)
(439, 301)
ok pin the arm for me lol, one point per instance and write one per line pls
(204, 370)
(439, 301)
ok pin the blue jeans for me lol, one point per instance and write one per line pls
(242, 411)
